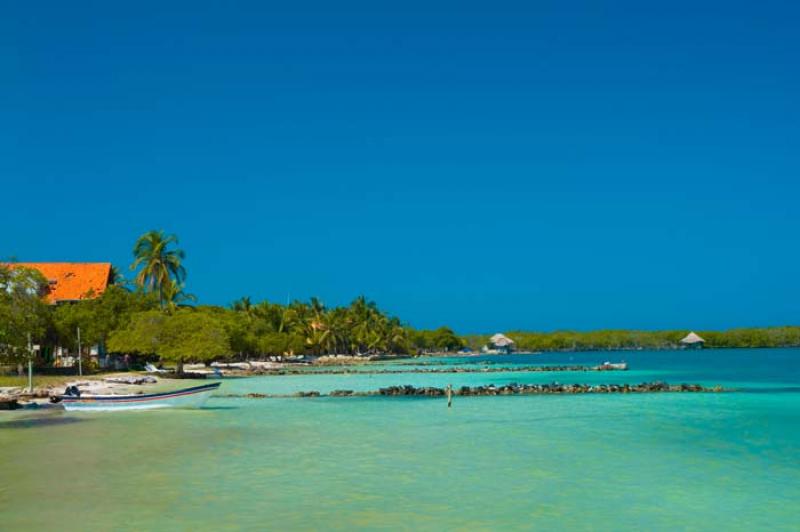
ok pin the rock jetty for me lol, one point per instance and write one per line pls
(506, 389)
(545, 389)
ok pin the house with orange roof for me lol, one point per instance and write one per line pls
(71, 281)
(68, 282)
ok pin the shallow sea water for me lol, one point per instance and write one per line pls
(588, 462)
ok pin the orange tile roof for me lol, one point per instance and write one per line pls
(70, 281)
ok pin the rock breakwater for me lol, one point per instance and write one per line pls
(506, 389)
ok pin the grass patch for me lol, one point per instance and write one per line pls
(43, 381)
(39, 381)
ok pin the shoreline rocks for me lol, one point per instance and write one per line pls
(455, 369)
(312, 393)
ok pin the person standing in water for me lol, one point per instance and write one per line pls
(449, 395)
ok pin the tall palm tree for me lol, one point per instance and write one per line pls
(158, 263)
(362, 318)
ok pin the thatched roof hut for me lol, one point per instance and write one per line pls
(693, 340)
(499, 344)
(501, 340)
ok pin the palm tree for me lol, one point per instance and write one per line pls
(317, 339)
(269, 314)
(362, 318)
(397, 336)
(175, 297)
(117, 278)
(318, 311)
(243, 305)
(158, 263)
(315, 323)
(289, 319)
(341, 325)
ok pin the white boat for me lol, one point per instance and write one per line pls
(193, 397)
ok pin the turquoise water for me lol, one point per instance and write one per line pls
(655, 462)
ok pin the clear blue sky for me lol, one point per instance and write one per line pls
(489, 166)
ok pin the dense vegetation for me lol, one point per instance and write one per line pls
(150, 317)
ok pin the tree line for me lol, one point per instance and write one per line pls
(786, 336)
(152, 316)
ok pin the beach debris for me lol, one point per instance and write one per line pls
(36, 393)
(134, 380)
(612, 366)
(8, 403)
(232, 365)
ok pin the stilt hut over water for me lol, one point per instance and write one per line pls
(499, 344)
(693, 341)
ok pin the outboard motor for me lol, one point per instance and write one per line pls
(69, 391)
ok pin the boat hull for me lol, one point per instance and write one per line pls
(186, 398)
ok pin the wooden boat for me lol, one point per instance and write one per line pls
(193, 397)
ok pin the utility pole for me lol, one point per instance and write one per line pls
(30, 364)
(80, 364)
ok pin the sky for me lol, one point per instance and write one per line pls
(489, 166)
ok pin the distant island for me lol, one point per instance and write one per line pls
(621, 339)
(59, 314)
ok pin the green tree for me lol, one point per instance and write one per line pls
(445, 339)
(192, 337)
(186, 336)
(22, 311)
